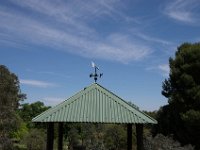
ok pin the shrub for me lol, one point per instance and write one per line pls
(161, 142)
(35, 140)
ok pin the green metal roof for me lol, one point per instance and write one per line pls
(94, 104)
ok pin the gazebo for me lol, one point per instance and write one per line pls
(94, 104)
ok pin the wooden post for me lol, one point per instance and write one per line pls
(129, 136)
(139, 136)
(50, 136)
(60, 136)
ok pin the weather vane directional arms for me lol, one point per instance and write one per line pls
(95, 75)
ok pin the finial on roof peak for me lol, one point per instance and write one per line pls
(95, 75)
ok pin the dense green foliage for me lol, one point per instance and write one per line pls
(10, 96)
(35, 140)
(15, 120)
(31, 136)
(160, 142)
(28, 111)
(97, 136)
(181, 117)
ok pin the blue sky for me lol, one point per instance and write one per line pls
(49, 45)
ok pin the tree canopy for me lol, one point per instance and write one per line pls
(10, 96)
(28, 111)
(181, 116)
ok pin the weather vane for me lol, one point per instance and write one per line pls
(95, 75)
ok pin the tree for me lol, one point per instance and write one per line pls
(10, 96)
(160, 142)
(35, 140)
(181, 116)
(115, 137)
(28, 111)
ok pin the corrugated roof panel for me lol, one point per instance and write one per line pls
(94, 104)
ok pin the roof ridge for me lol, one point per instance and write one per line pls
(95, 104)
(127, 103)
(48, 110)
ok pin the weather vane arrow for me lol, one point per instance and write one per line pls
(95, 75)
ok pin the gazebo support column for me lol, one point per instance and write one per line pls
(139, 136)
(60, 136)
(129, 136)
(50, 136)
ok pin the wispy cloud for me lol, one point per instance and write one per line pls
(49, 73)
(52, 101)
(66, 26)
(125, 48)
(164, 69)
(183, 10)
(153, 39)
(37, 83)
